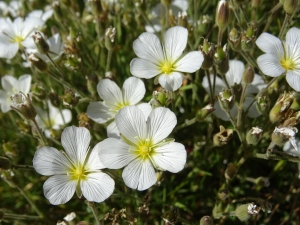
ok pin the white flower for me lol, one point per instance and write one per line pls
(42, 15)
(290, 149)
(143, 147)
(281, 56)
(164, 60)
(159, 11)
(76, 169)
(132, 93)
(15, 34)
(13, 8)
(234, 77)
(12, 86)
(288, 133)
(53, 118)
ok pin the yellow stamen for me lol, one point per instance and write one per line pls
(167, 67)
(287, 64)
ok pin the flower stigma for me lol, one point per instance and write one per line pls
(78, 173)
(287, 64)
(167, 67)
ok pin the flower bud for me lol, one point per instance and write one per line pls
(248, 38)
(110, 34)
(170, 215)
(208, 51)
(248, 75)
(230, 171)
(160, 99)
(206, 220)
(23, 106)
(283, 134)
(282, 105)
(296, 103)
(70, 98)
(41, 45)
(263, 104)
(37, 62)
(254, 135)
(244, 212)
(182, 19)
(234, 40)
(5, 163)
(222, 14)
(203, 113)
(221, 59)
(289, 6)
(223, 194)
(226, 99)
(223, 137)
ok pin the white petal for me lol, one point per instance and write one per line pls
(145, 108)
(175, 42)
(218, 86)
(75, 141)
(133, 90)
(270, 44)
(47, 14)
(235, 72)
(293, 42)
(142, 68)
(171, 157)
(8, 49)
(49, 161)
(30, 24)
(257, 84)
(148, 47)
(5, 101)
(8, 83)
(99, 112)
(112, 130)
(59, 189)
(139, 174)
(252, 113)
(110, 92)
(190, 62)
(160, 124)
(114, 153)
(97, 187)
(172, 81)
(270, 65)
(132, 124)
(94, 163)
(24, 83)
(293, 79)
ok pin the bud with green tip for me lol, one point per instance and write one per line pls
(206, 220)
(41, 45)
(226, 99)
(203, 113)
(263, 104)
(282, 105)
(248, 38)
(254, 135)
(208, 51)
(234, 40)
(244, 212)
(221, 59)
(160, 99)
(248, 75)
(222, 14)
(23, 106)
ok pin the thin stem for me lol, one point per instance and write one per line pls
(215, 77)
(284, 25)
(210, 87)
(185, 124)
(22, 167)
(40, 133)
(271, 12)
(91, 205)
(241, 106)
(248, 59)
(234, 124)
(109, 55)
(146, 18)
(19, 217)
(272, 157)
(55, 65)
(35, 208)
(259, 94)
(220, 34)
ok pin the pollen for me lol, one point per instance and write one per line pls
(167, 67)
(78, 173)
(17, 39)
(287, 64)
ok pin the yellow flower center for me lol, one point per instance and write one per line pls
(17, 39)
(119, 105)
(144, 150)
(167, 67)
(287, 64)
(78, 173)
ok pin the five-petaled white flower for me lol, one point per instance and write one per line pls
(165, 60)
(76, 169)
(234, 77)
(143, 147)
(11, 86)
(53, 118)
(114, 98)
(14, 35)
(281, 56)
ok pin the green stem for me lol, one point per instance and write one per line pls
(109, 55)
(40, 133)
(146, 18)
(19, 217)
(185, 124)
(284, 25)
(55, 65)
(248, 59)
(241, 107)
(272, 157)
(35, 208)
(91, 205)
(259, 94)
(234, 125)
(22, 167)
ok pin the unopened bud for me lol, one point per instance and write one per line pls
(281, 106)
(254, 135)
(160, 99)
(222, 14)
(248, 75)
(244, 212)
(208, 51)
(226, 99)
(221, 59)
(182, 19)
(110, 34)
(23, 106)
(41, 45)
(223, 137)
(5, 163)
(289, 6)
(37, 62)
(234, 40)
(248, 38)
(230, 171)
(263, 104)
(203, 113)
(206, 220)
